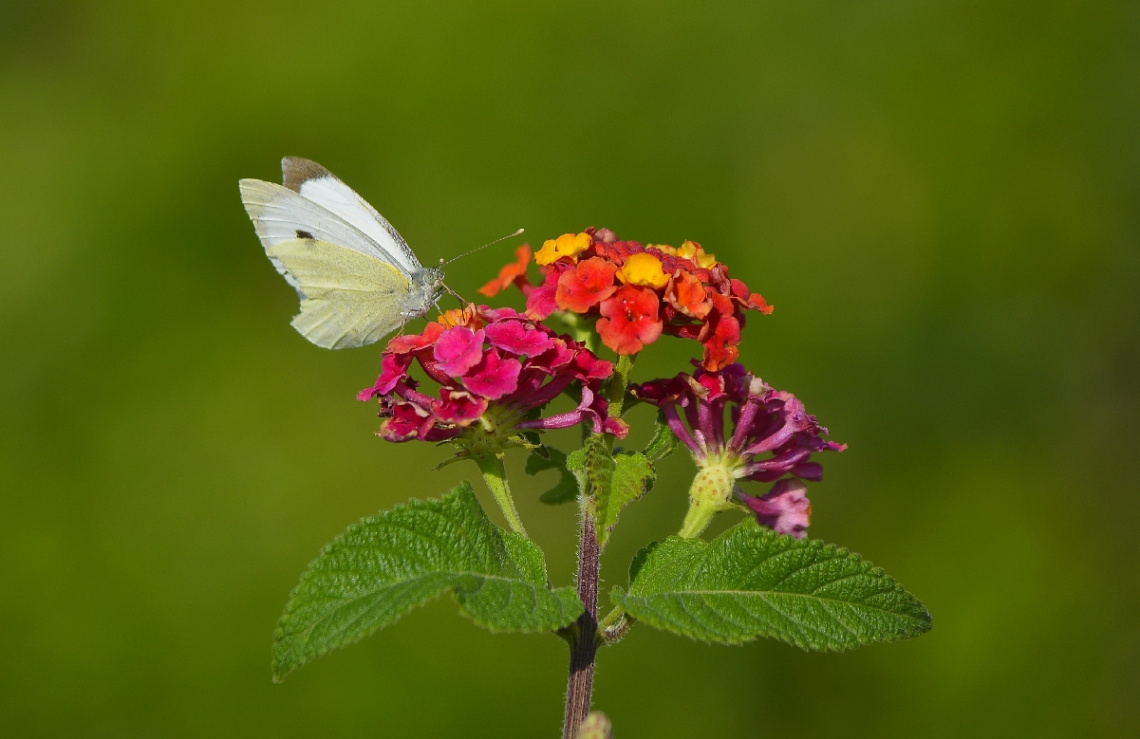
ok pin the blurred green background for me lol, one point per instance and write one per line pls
(941, 199)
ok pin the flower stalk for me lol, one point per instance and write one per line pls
(583, 635)
(495, 475)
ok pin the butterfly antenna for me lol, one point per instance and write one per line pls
(484, 246)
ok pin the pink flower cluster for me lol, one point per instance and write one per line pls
(492, 365)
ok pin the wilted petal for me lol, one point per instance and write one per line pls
(785, 509)
(458, 406)
(406, 422)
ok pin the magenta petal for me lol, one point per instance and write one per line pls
(458, 406)
(394, 367)
(540, 303)
(557, 421)
(494, 377)
(458, 349)
(556, 357)
(515, 337)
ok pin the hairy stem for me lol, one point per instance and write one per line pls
(583, 635)
(495, 475)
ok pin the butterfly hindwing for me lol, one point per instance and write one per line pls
(347, 299)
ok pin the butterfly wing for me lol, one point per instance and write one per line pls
(348, 299)
(280, 214)
(356, 276)
(315, 183)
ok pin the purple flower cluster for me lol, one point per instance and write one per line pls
(772, 437)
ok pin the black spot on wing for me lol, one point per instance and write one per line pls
(303, 234)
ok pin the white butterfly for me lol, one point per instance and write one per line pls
(357, 277)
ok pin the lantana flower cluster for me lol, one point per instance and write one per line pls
(496, 369)
(637, 292)
(772, 439)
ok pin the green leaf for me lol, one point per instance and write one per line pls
(592, 465)
(632, 477)
(751, 582)
(548, 458)
(613, 481)
(663, 443)
(386, 565)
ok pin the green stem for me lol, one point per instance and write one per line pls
(698, 518)
(619, 384)
(495, 475)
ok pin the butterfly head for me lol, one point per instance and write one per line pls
(424, 289)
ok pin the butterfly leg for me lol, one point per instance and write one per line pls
(454, 294)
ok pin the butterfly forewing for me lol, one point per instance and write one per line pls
(315, 183)
(279, 214)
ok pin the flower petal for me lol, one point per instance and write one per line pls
(630, 320)
(458, 350)
(785, 509)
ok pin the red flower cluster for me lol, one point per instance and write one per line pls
(637, 292)
(493, 366)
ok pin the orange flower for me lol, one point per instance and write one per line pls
(688, 296)
(630, 320)
(466, 316)
(721, 347)
(588, 283)
(511, 274)
(681, 291)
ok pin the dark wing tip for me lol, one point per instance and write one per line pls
(296, 171)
